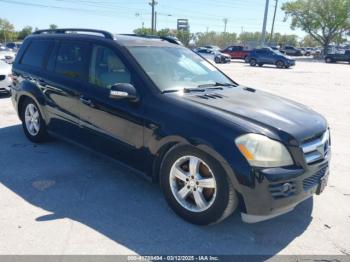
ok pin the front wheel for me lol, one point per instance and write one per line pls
(196, 186)
(32, 122)
(217, 60)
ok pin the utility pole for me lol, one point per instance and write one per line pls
(225, 23)
(274, 18)
(153, 3)
(263, 33)
(155, 20)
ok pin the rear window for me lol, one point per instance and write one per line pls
(36, 53)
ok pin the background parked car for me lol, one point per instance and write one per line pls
(291, 50)
(212, 47)
(338, 57)
(7, 56)
(5, 77)
(236, 52)
(271, 57)
(213, 55)
(13, 46)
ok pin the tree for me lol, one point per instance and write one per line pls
(324, 20)
(184, 36)
(309, 41)
(25, 32)
(213, 38)
(143, 31)
(53, 27)
(7, 32)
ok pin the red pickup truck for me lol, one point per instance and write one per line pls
(236, 52)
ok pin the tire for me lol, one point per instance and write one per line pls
(209, 204)
(246, 59)
(280, 64)
(329, 60)
(252, 62)
(32, 122)
(217, 60)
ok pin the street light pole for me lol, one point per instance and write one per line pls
(263, 33)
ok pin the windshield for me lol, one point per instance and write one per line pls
(277, 52)
(175, 68)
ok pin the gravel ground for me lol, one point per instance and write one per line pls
(59, 199)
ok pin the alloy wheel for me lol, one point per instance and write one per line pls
(193, 183)
(32, 119)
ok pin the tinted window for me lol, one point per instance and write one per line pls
(36, 52)
(71, 59)
(106, 68)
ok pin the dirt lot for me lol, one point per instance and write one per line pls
(59, 199)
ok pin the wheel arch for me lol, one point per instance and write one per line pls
(31, 91)
(173, 144)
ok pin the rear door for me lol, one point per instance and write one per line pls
(114, 127)
(64, 83)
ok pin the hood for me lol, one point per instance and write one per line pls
(283, 116)
(5, 68)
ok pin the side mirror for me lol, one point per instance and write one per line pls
(124, 91)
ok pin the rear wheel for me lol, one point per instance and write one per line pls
(246, 59)
(252, 62)
(280, 64)
(32, 122)
(329, 60)
(196, 187)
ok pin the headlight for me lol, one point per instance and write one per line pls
(261, 151)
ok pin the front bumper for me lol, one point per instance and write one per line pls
(5, 85)
(271, 197)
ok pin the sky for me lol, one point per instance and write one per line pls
(123, 16)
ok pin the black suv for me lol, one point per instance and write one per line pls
(213, 145)
(338, 57)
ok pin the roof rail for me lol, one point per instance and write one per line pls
(105, 34)
(170, 39)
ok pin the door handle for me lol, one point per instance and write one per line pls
(87, 102)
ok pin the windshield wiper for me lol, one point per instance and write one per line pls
(217, 84)
(185, 90)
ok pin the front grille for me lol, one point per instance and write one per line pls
(314, 180)
(282, 190)
(316, 149)
(2, 77)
